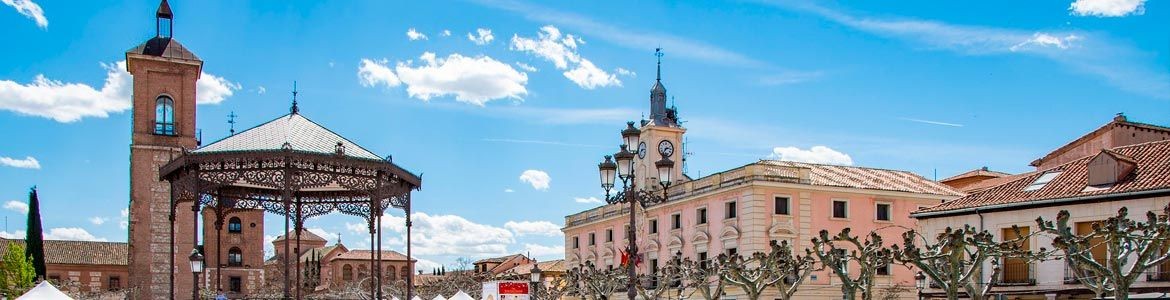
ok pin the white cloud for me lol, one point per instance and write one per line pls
(524, 228)
(561, 50)
(29, 9)
(1107, 8)
(590, 200)
(19, 234)
(70, 102)
(28, 162)
(624, 72)
(473, 80)
(71, 234)
(508, 190)
(322, 233)
(125, 222)
(537, 178)
(790, 77)
(1046, 40)
(816, 154)
(446, 32)
(451, 235)
(261, 90)
(557, 251)
(1093, 53)
(526, 67)
(482, 36)
(16, 206)
(98, 220)
(371, 73)
(269, 251)
(414, 35)
(425, 265)
(622, 36)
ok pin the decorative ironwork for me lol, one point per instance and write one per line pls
(297, 185)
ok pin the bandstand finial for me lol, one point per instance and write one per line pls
(294, 99)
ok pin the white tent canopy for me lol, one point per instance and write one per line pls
(44, 291)
(439, 297)
(416, 298)
(461, 296)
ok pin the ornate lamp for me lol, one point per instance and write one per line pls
(196, 268)
(665, 169)
(920, 283)
(625, 162)
(607, 169)
(630, 135)
(536, 273)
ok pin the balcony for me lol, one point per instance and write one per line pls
(1161, 273)
(1018, 271)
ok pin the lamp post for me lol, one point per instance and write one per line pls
(535, 280)
(920, 282)
(196, 268)
(629, 192)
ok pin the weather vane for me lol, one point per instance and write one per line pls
(294, 106)
(658, 53)
(232, 122)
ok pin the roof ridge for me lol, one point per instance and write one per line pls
(844, 166)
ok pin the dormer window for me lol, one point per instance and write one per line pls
(164, 116)
(1110, 167)
(1042, 181)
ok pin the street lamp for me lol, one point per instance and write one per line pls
(629, 192)
(920, 282)
(196, 268)
(536, 279)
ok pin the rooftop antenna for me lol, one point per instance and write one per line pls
(232, 122)
(685, 154)
(294, 104)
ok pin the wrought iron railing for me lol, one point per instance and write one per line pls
(1018, 271)
(1159, 273)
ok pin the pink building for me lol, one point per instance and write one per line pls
(743, 209)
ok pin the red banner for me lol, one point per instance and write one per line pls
(513, 288)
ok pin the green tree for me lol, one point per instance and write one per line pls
(17, 274)
(35, 239)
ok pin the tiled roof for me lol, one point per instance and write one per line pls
(1118, 121)
(1151, 173)
(163, 47)
(866, 178)
(555, 266)
(299, 132)
(306, 235)
(365, 255)
(79, 252)
(977, 172)
(313, 253)
(497, 259)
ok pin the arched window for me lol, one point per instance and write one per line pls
(164, 116)
(234, 225)
(391, 274)
(235, 257)
(347, 273)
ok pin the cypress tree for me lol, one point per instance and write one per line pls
(34, 239)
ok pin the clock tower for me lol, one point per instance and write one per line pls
(163, 127)
(661, 136)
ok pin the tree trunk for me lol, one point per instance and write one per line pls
(952, 294)
(1121, 292)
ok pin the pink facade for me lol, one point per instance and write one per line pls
(810, 191)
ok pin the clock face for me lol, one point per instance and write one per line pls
(641, 150)
(665, 148)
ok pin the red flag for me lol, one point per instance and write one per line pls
(625, 257)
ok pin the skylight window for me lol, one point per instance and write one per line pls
(1043, 180)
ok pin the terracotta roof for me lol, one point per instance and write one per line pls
(866, 178)
(1151, 173)
(545, 266)
(79, 252)
(306, 235)
(977, 172)
(163, 47)
(1118, 121)
(313, 253)
(299, 132)
(497, 259)
(365, 255)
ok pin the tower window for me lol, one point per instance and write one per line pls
(235, 257)
(164, 116)
(234, 225)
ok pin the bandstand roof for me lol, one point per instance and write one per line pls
(302, 134)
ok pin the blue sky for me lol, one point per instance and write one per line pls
(911, 85)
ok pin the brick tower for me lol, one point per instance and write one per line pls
(163, 126)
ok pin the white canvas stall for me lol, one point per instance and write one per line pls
(44, 291)
(461, 296)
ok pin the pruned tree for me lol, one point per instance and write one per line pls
(702, 278)
(780, 267)
(661, 280)
(595, 283)
(1131, 248)
(870, 255)
(554, 289)
(955, 260)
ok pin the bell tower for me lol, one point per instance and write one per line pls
(661, 137)
(163, 127)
